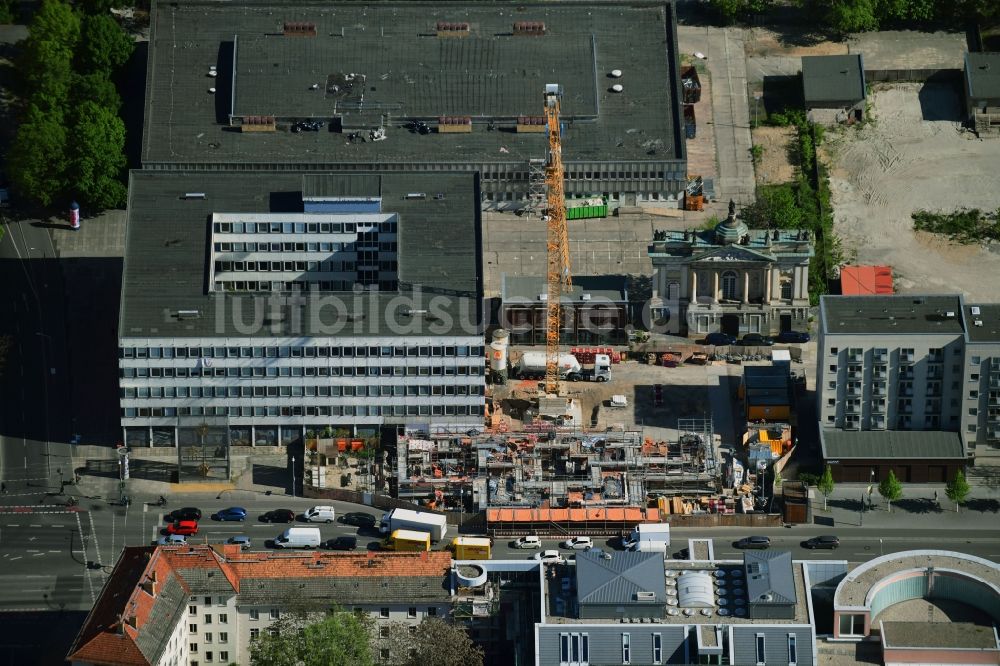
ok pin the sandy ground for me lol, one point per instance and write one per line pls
(913, 157)
(701, 149)
(764, 42)
(774, 166)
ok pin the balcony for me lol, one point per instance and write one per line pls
(878, 406)
(855, 357)
(853, 407)
(907, 359)
(880, 359)
(880, 390)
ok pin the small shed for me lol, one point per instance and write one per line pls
(982, 91)
(833, 81)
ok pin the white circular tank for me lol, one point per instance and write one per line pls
(498, 357)
(617, 88)
(502, 336)
(470, 575)
(616, 73)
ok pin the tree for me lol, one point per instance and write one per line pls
(825, 485)
(852, 15)
(37, 157)
(7, 11)
(890, 489)
(98, 157)
(341, 637)
(433, 642)
(96, 88)
(730, 10)
(106, 48)
(957, 489)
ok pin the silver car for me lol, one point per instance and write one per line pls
(240, 540)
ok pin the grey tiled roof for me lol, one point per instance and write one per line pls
(982, 75)
(892, 444)
(614, 577)
(769, 577)
(346, 591)
(833, 78)
(170, 604)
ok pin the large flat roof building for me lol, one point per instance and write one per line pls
(286, 301)
(420, 86)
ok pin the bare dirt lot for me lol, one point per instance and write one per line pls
(774, 167)
(914, 156)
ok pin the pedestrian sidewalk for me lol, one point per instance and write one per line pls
(917, 509)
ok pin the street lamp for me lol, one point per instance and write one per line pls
(293, 476)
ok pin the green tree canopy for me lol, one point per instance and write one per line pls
(37, 158)
(730, 10)
(890, 488)
(825, 485)
(433, 642)
(957, 489)
(106, 48)
(341, 637)
(98, 157)
(96, 88)
(776, 207)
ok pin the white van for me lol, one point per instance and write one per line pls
(320, 514)
(298, 537)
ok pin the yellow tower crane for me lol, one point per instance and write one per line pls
(557, 245)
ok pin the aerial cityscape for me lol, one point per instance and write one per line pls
(547, 333)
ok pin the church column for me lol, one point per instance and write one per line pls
(694, 286)
(746, 287)
(715, 286)
(800, 282)
(767, 284)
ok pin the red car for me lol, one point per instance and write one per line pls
(185, 527)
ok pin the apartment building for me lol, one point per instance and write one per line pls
(200, 605)
(276, 303)
(903, 382)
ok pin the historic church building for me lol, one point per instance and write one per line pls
(730, 279)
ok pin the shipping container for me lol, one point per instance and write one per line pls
(471, 548)
(581, 209)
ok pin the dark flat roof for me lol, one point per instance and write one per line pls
(410, 72)
(944, 635)
(895, 444)
(891, 315)
(167, 254)
(982, 75)
(983, 322)
(602, 288)
(831, 78)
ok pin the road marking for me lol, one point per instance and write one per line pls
(33, 525)
(37, 554)
(31, 550)
(15, 558)
(57, 526)
(93, 534)
(55, 551)
(86, 571)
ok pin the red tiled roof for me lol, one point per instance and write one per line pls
(105, 639)
(865, 280)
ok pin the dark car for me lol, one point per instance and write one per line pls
(342, 543)
(756, 340)
(720, 339)
(232, 513)
(793, 336)
(753, 542)
(187, 513)
(279, 516)
(828, 541)
(358, 519)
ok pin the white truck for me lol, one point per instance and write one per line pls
(531, 365)
(648, 538)
(298, 537)
(434, 524)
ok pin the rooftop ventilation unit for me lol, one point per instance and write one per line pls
(977, 322)
(975, 309)
(194, 195)
(529, 28)
(416, 195)
(585, 297)
(950, 314)
(452, 29)
(189, 314)
(298, 29)
(645, 596)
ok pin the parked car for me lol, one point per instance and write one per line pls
(278, 516)
(793, 336)
(577, 543)
(187, 513)
(756, 340)
(232, 513)
(342, 543)
(320, 514)
(549, 557)
(526, 542)
(720, 339)
(172, 540)
(240, 540)
(828, 541)
(185, 527)
(358, 519)
(753, 542)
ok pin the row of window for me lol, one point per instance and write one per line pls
(306, 351)
(351, 246)
(283, 391)
(365, 278)
(261, 372)
(367, 230)
(332, 266)
(309, 410)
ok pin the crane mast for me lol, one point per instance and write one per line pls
(557, 245)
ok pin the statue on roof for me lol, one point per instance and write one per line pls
(732, 208)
